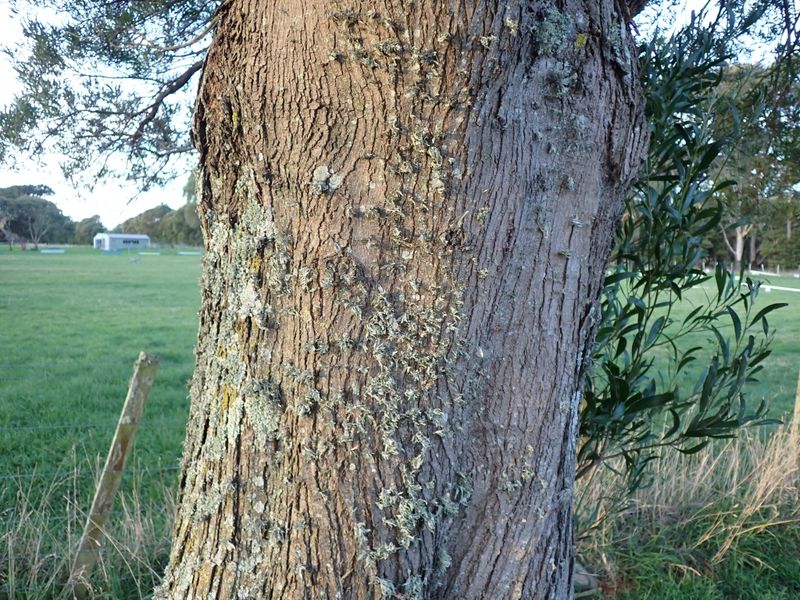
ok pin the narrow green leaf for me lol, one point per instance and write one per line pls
(676, 423)
(694, 449)
(768, 309)
(655, 330)
(737, 322)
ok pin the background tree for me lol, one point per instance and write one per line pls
(164, 225)
(37, 220)
(780, 246)
(8, 209)
(762, 162)
(750, 164)
(86, 229)
(28, 216)
(148, 222)
(15, 191)
(7, 235)
(778, 220)
(181, 226)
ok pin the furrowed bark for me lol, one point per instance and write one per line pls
(407, 210)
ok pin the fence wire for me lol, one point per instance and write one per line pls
(149, 423)
(78, 473)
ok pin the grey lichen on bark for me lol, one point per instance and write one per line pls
(554, 31)
(324, 181)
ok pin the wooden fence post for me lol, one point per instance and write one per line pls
(144, 372)
(795, 427)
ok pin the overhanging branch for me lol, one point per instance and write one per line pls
(172, 87)
(635, 7)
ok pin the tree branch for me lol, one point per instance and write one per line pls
(727, 242)
(635, 7)
(174, 86)
(205, 31)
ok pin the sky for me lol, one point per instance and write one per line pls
(113, 199)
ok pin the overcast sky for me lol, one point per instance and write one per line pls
(113, 200)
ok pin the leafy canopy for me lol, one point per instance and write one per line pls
(105, 85)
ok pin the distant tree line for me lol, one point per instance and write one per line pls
(27, 216)
(167, 226)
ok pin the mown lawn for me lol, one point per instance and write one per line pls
(777, 381)
(71, 327)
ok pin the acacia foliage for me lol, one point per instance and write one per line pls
(633, 406)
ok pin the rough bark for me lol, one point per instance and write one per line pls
(407, 209)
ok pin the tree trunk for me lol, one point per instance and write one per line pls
(36, 234)
(742, 231)
(407, 210)
(6, 233)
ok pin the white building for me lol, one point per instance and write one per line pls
(121, 241)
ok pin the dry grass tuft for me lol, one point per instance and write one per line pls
(705, 504)
(40, 533)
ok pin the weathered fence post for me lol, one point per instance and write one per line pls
(795, 427)
(144, 372)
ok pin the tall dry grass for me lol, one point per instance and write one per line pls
(711, 500)
(40, 533)
(714, 499)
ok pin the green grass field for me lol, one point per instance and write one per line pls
(71, 326)
(777, 382)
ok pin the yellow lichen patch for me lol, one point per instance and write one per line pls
(247, 342)
(204, 574)
(580, 40)
(240, 328)
(208, 468)
(255, 264)
(228, 397)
